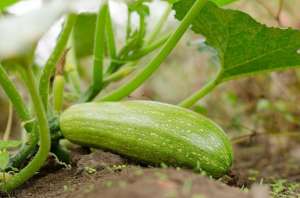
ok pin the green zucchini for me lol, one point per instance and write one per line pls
(151, 132)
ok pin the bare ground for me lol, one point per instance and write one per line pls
(103, 174)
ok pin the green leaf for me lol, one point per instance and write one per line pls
(4, 159)
(84, 31)
(244, 46)
(6, 3)
(9, 144)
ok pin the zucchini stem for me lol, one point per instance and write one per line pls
(38, 160)
(144, 74)
(111, 43)
(16, 99)
(99, 50)
(147, 50)
(71, 67)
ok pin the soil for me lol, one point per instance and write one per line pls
(103, 174)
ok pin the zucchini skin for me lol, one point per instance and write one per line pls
(151, 132)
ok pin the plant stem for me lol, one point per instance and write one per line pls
(144, 74)
(111, 44)
(71, 67)
(160, 24)
(16, 99)
(194, 98)
(118, 75)
(49, 68)
(27, 149)
(147, 50)
(37, 162)
(131, 46)
(139, 54)
(128, 27)
(29, 123)
(9, 122)
(142, 29)
(143, 52)
(123, 72)
(99, 49)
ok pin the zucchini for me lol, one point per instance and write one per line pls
(150, 132)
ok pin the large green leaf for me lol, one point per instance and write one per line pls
(244, 46)
(5, 3)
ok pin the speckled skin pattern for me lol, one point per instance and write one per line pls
(151, 132)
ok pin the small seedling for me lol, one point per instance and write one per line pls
(119, 167)
(90, 170)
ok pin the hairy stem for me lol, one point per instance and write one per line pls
(144, 74)
(49, 68)
(37, 162)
